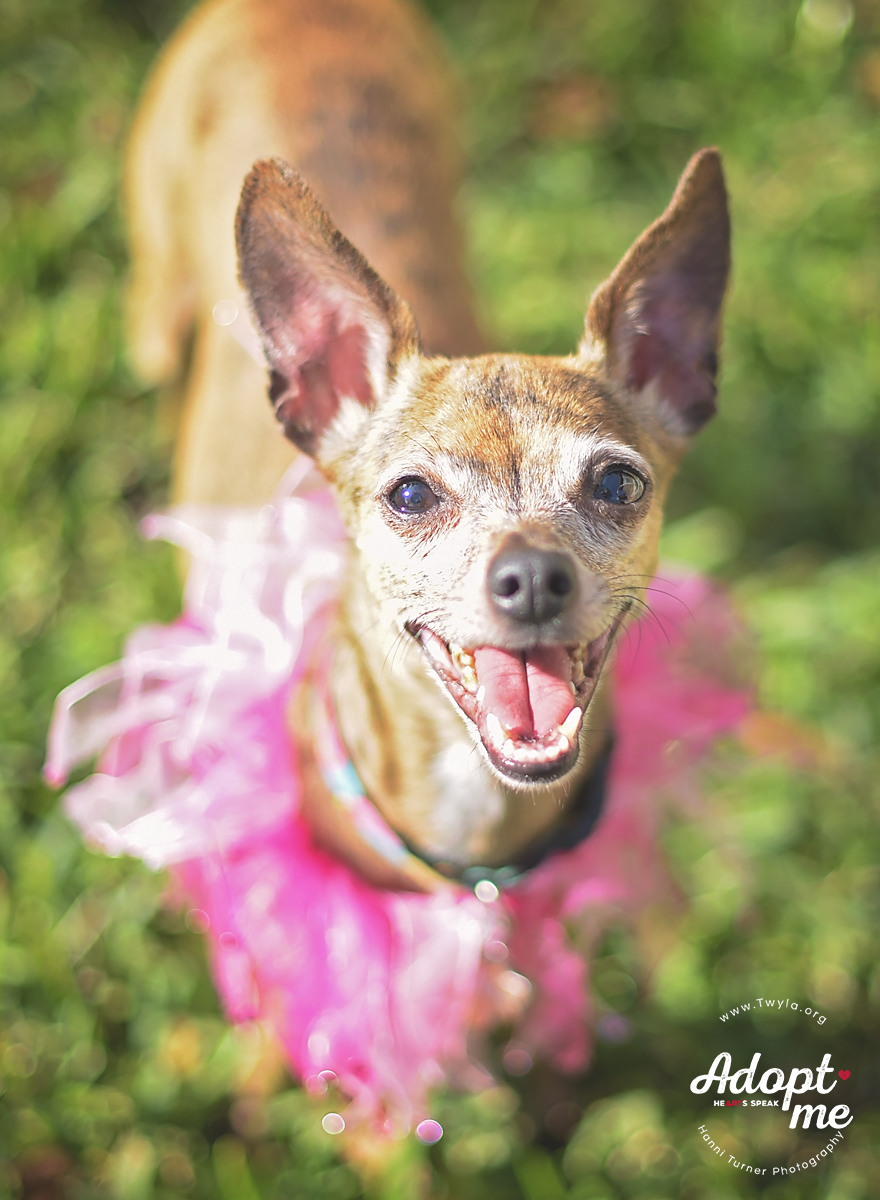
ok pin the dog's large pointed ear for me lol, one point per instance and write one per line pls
(656, 320)
(331, 328)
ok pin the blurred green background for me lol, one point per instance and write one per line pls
(117, 1076)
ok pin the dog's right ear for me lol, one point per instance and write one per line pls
(655, 323)
(331, 328)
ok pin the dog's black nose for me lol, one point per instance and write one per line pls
(531, 585)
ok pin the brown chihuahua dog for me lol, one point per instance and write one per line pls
(505, 510)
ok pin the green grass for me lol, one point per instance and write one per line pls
(119, 1078)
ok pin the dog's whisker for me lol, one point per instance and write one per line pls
(646, 613)
(430, 434)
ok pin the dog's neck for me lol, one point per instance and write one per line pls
(413, 752)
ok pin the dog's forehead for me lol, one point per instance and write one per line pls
(499, 416)
(493, 390)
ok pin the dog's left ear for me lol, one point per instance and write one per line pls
(655, 322)
(331, 328)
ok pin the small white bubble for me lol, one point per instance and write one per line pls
(486, 891)
(268, 516)
(614, 1028)
(197, 920)
(495, 951)
(395, 1129)
(225, 312)
(516, 1062)
(429, 1132)
(333, 1123)
(514, 984)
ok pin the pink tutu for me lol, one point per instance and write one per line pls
(197, 773)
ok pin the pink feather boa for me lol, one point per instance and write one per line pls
(196, 773)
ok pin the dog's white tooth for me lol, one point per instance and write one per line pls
(463, 659)
(481, 694)
(563, 745)
(572, 723)
(509, 749)
(469, 678)
(494, 731)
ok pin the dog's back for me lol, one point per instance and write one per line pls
(354, 93)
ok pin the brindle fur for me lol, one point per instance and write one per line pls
(512, 444)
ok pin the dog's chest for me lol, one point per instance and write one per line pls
(469, 804)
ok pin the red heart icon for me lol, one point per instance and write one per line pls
(843, 1074)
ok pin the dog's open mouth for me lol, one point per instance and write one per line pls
(527, 705)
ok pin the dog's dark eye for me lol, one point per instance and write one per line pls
(412, 496)
(619, 486)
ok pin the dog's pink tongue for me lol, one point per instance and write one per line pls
(527, 690)
(550, 695)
